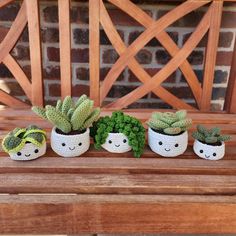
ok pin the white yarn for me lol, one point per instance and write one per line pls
(29, 152)
(209, 152)
(70, 145)
(167, 145)
(117, 143)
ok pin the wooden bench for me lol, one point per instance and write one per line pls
(102, 192)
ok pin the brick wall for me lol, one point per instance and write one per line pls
(152, 57)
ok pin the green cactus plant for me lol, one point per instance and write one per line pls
(119, 123)
(170, 123)
(16, 139)
(209, 136)
(68, 116)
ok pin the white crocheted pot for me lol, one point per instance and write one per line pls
(29, 152)
(117, 143)
(70, 145)
(209, 152)
(167, 145)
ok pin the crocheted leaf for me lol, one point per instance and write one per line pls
(172, 131)
(40, 112)
(80, 100)
(36, 138)
(66, 105)
(17, 132)
(58, 119)
(91, 118)
(12, 144)
(59, 105)
(157, 124)
(182, 123)
(181, 114)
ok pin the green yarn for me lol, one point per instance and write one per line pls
(119, 123)
(68, 116)
(169, 122)
(16, 139)
(209, 136)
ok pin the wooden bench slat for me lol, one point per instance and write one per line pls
(68, 214)
(117, 183)
(119, 166)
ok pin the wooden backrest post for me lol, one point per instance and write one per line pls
(94, 50)
(35, 51)
(230, 101)
(65, 47)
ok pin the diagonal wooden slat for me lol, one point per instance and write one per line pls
(170, 67)
(143, 39)
(19, 75)
(5, 2)
(134, 66)
(144, 19)
(211, 53)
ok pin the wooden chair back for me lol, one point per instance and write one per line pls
(98, 14)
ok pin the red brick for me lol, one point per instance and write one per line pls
(50, 35)
(224, 58)
(4, 72)
(53, 54)
(104, 71)
(50, 14)
(82, 73)
(9, 12)
(144, 56)
(52, 72)
(225, 39)
(162, 57)
(13, 88)
(196, 58)
(80, 55)
(3, 32)
(104, 39)
(228, 19)
(121, 18)
(150, 105)
(218, 93)
(80, 15)
(109, 56)
(79, 90)
(21, 52)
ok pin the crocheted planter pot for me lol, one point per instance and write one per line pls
(117, 143)
(29, 152)
(209, 152)
(167, 145)
(70, 145)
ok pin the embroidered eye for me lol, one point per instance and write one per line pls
(80, 144)
(110, 141)
(214, 154)
(201, 151)
(18, 153)
(36, 150)
(63, 144)
(160, 143)
(176, 145)
(124, 141)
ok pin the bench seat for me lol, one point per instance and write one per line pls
(101, 192)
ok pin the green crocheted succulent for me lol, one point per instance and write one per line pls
(16, 139)
(170, 123)
(68, 116)
(209, 136)
(119, 123)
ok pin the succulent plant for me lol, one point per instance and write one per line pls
(16, 139)
(120, 123)
(209, 136)
(68, 116)
(169, 123)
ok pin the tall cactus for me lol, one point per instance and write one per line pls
(209, 136)
(170, 123)
(68, 116)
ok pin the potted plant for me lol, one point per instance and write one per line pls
(167, 133)
(70, 134)
(119, 133)
(24, 144)
(209, 144)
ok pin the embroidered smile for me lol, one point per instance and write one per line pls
(72, 148)
(117, 145)
(27, 155)
(207, 156)
(166, 149)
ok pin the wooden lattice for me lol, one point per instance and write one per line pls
(210, 23)
(33, 88)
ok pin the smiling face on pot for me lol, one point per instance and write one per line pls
(209, 152)
(70, 145)
(167, 145)
(29, 152)
(117, 143)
